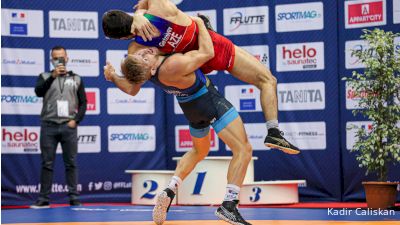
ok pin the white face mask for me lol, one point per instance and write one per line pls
(55, 62)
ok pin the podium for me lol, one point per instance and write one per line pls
(146, 184)
(270, 192)
(206, 184)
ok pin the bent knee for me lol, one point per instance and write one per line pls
(200, 155)
(266, 78)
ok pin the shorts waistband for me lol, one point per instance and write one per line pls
(199, 93)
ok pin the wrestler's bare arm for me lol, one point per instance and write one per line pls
(184, 64)
(122, 83)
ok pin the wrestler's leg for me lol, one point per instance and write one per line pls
(235, 137)
(201, 147)
(248, 69)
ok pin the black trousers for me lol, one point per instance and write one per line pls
(50, 135)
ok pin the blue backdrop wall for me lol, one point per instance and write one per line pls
(306, 44)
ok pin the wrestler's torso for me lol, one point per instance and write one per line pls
(173, 37)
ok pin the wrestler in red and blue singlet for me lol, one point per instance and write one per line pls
(176, 38)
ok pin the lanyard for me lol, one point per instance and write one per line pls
(63, 83)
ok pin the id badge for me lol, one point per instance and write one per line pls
(62, 108)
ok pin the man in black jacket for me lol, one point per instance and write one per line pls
(64, 106)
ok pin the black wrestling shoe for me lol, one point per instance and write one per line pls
(229, 213)
(276, 140)
(206, 21)
(40, 204)
(163, 202)
(75, 202)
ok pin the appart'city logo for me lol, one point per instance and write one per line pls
(93, 101)
(365, 13)
(183, 139)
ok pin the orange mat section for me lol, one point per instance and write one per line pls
(214, 222)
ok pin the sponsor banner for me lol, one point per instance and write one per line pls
(83, 62)
(351, 131)
(93, 101)
(115, 57)
(256, 134)
(119, 102)
(22, 62)
(353, 98)
(352, 61)
(305, 135)
(20, 140)
(301, 96)
(300, 56)
(211, 14)
(73, 24)
(21, 23)
(20, 101)
(248, 20)
(183, 139)
(299, 17)
(364, 13)
(396, 11)
(245, 98)
(89, 139)
(132, 138)
(260, 52)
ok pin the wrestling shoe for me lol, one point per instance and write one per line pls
(229, 213)
(163, 202)
(206, 21)
(40, 204)
(276, 140)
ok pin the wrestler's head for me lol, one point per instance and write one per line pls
(139, 67)
(117, 24)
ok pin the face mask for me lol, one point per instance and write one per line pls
(57, 61)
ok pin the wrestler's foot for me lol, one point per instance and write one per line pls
(163, 202)
(276, 140)
(229, 213)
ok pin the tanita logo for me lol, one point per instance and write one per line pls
(300, 96)
(73, 24)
